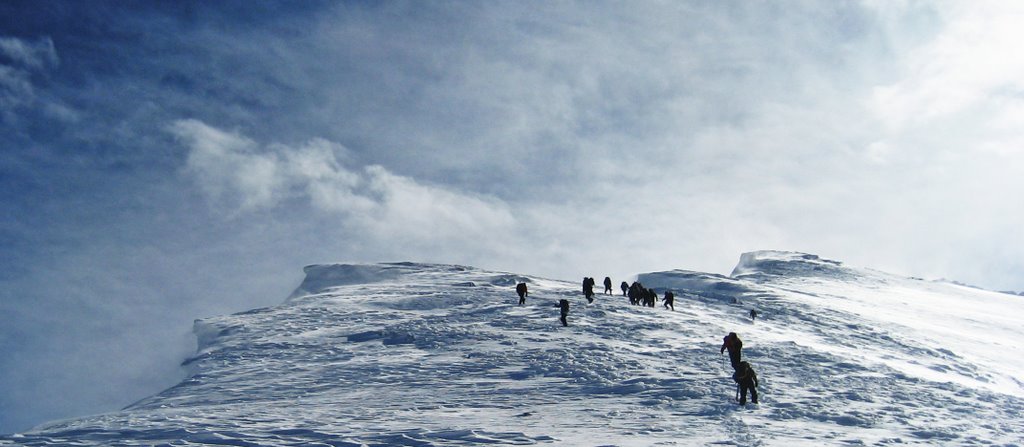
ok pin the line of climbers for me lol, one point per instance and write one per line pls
(641, 296)
(743, 373)
(638, 295)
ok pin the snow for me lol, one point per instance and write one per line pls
(441, 355)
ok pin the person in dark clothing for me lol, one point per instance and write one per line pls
(523, 293)
(670, 299)
(588, 289)
(624, 287)
(607, 285)
(564, 307)
(734, 345)
(650, 298)
(747, 380)
(753, 315)
(636, 293)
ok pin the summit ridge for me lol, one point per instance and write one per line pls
(442, 355)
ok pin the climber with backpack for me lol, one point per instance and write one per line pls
(523, 293)
(746, 379)
(588, 289)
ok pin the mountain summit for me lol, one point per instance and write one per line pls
(442, 355)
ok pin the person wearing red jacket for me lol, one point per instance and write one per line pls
(734, 345)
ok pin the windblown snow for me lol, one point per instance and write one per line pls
(441, 355)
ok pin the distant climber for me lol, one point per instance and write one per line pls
(733, 343)
(650, 297)
(753, 315)
(564, 307)
(670, 299)
(624, 286)
(523, 293)
(607, 285)
(636, 291)
(746, 379)
(588, 289)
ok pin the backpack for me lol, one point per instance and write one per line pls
(743, 372)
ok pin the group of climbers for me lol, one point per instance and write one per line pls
(743, 375)
(637, 293)
(641, 296)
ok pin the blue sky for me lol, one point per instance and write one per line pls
(166, 161)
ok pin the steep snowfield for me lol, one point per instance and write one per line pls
(441, 355)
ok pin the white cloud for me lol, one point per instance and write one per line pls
(34, 55)
(22, 60)
(15, 87)
(236, 171)
(228, 168)
(971, 60)
(825, 128)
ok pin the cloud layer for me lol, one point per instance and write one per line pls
(20, 61)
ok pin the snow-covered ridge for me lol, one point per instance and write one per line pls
(321, 277)
(758, 264)
(441, 355)
(753, 268)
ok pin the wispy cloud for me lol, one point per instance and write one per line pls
(245, 176)
(967, 64)
(36, 55)
(19, 60)
(23, 65)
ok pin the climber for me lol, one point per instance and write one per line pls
(733, 343)
(746, 378)
(523, 293)
(564, 307)
(588, 289)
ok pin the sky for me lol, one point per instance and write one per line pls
(166, 161)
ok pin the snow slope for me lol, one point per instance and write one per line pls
(441, 355)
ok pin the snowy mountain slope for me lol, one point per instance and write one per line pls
(425, 355)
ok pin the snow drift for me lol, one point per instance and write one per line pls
(440, 355)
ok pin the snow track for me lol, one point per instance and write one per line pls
(438, 355)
